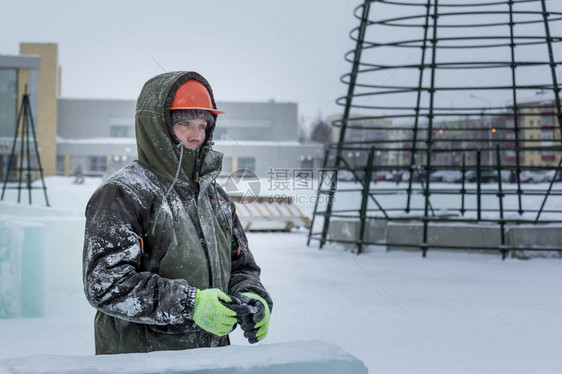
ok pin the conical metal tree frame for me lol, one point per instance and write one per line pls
(26, 151)
(483, 50)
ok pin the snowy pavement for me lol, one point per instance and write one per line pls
(450, 313)
(397, 312)
(401, 313)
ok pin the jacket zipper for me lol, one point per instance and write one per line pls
(195, 178)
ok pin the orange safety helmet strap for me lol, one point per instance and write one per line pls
(193, 94)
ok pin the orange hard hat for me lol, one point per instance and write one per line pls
(193, 94)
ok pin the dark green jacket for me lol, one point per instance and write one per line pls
(147, 250)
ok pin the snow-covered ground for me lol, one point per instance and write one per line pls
(396, 311)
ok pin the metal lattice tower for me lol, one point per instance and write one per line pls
(28, 160)
(465, 86)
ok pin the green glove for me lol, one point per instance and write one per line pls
(210, 314)
(261, 318)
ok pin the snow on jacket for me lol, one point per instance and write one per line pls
(145, 255)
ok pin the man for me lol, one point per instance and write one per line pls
(166, 261)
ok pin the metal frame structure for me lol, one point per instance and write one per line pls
(26, 154)
(485, 50)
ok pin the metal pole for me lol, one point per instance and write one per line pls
(365, 200)
(500, 200)
(28, 153)
(549, 190)
(430, 127)
(22, 141)
(515, 108)
(490, 152)
(328, 212)
(478, 187)
(345, 118)
(39, 166)
(552, 64)
(320, 184)
(417, 109)
(463, 190)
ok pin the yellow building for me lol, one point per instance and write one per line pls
(539, 129)
(48, 91)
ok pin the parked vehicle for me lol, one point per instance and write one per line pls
(534, 176)
(437, 176)
(447, 176)
(419, 176)
(395, 176)
(486, 176)
(379, 176)
(506, 176)
(550, 174)
(345, 175)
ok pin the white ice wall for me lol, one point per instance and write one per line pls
(21, 269)
(310, 357)
(10, 274)
(40, 252)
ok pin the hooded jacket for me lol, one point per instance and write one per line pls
(156, 231)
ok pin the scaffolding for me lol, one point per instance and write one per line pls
(28, 161)
(450, 88)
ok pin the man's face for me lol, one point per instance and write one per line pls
(191, 132)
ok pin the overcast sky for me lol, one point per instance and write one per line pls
(250, 50)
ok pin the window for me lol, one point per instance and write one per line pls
(546, 141)
(547, 121)
(247, 129)
(234, 133)
(226, 165)
(32, 90)
(120, 131)
(60, 165)
(3, 165)
(307, 162)
(247, 163)
(98, 163)
(78, 165)
(8, 102)
(547, 135)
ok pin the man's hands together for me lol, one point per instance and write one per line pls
(217, 313)
(211, 314)
(252, 313)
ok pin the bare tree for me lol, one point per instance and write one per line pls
(321, 132)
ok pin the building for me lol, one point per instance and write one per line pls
(95, 136)
(539, 131)
(98, 136)
(35, 69)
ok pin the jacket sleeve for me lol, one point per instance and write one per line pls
(245, 273)
(113, 248)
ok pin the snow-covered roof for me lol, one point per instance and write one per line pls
(291, 143)
(126, 141)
